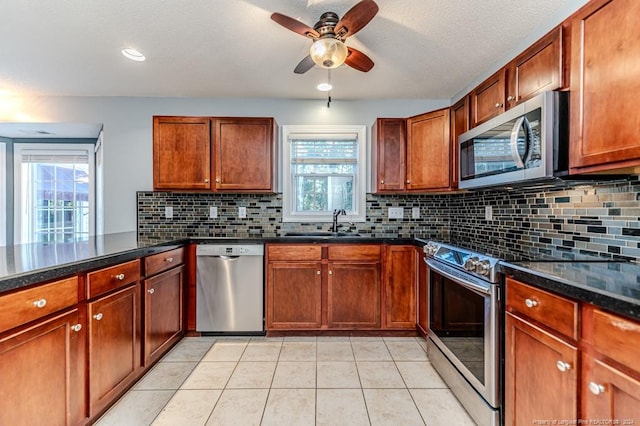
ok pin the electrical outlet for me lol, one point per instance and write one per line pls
(415, 213)
(396, 213)
(213, 212)
(242, 212)
(168, 212)
(488, 213)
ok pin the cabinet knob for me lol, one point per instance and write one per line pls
(206, 180)
(498, 105)
(151, 291)
(511, 98)
(76, 327)
(40, 303)
(408, 181)
(330, 272)
(531, 303)
(119, 277)
(596, 388)
(317, 272)
(169, 259)
(382, 181)
(217, 180)
(563, 366)
(98, 316)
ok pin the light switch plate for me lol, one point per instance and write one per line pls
(242, 212)
(396, 213)
(488, 213)
(168, 212)
(415, 213)
(213, 212)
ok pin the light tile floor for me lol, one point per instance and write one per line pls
(290, 381)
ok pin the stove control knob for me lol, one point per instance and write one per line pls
(483, 267)
(470, 263)
(431, 249)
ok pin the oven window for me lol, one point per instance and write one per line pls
(456, 316)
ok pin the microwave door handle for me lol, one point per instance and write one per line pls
(514, 142)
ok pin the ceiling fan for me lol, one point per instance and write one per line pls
(329, 33)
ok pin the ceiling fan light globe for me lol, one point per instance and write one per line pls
(328, 53)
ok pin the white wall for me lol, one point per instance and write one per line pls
(128, 130)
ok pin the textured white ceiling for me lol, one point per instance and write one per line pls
(231, 48)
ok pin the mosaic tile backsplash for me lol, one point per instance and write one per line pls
(601, 219)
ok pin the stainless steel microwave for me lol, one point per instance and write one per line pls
(526, 143)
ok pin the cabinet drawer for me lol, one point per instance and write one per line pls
(294, 252)
(163, 261)
(107, 279)
(555, 312)
(354, 252)
(616, 337)
(28, 305)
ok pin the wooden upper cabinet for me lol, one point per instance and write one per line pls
(390, 154)
(488, 99)
(605, 117)
(537, 69)
(428, 152)
(244, 153)
(460, 123)
(181, 153)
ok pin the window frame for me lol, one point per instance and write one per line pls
(289, 214)
(50, 149)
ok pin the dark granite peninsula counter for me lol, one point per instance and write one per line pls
(614, 286)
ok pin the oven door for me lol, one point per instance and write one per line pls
(463, 323)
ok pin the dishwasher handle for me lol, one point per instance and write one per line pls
(231, 258)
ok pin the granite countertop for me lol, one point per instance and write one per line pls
(614, 286)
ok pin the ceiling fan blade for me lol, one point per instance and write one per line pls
(356, 18)
(305, 65)
(358, 60)
(295, 25)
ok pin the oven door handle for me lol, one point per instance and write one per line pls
(469, 284)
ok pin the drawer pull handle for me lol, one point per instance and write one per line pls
(531, 303)
(563, 366)
(151, 291)
(40, 303)
(76, 327)
(119, 277)
(169, 259)
(98, 316)
(596, 388)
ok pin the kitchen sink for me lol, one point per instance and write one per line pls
(321, 234)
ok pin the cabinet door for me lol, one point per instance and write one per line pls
(428, 151)
(605, 117)
(400, 287)
(540, 374)
(390, 150)
(244, 153)
(423, 296)
(181, 153)
(459, 124)
(537, 69)
(43, 373)
(608, 393)
(294, 295)
(487, 100)
(353, 295)
(163, 319)
(114, 345)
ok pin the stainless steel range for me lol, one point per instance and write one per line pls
(464, 341)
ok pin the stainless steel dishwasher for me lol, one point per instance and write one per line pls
(229, 288)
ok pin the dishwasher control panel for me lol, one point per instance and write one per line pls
(230, 250)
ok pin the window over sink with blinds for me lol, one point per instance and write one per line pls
(324, 170)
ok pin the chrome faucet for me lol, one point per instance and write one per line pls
(336, 213)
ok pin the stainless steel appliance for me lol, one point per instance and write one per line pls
(463, 341)
(229, 288)
(528, 142)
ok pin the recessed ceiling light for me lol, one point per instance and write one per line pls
(133, 54)
(324, 87)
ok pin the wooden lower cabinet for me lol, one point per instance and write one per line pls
(537, 385)
(114, 345)
(46, 364)
(353, 295)
(293, 296)
(163, 304)
(400, 287)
